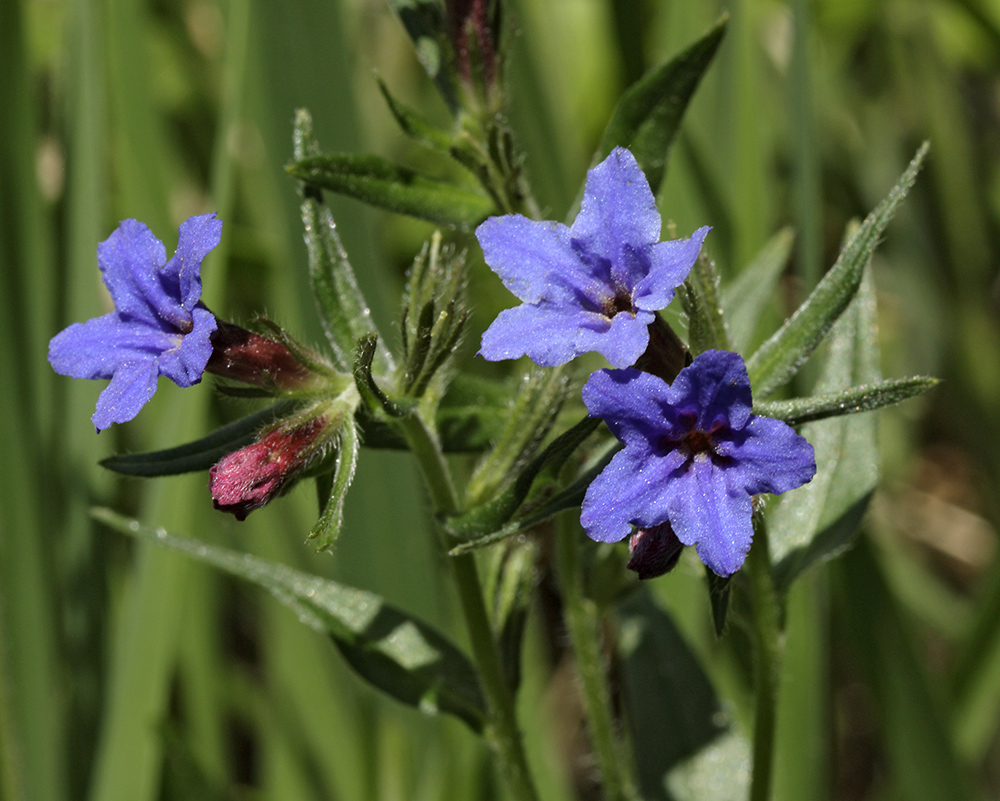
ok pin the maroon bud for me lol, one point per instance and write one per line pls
(473, 34)
(666, 355)
(654, 551)
(254, 359)
(251, 477)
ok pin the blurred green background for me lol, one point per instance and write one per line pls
(127, 673)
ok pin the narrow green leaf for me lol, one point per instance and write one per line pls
(536, 404)
(568, 498)
(700, 297)
(470, 418)
(849, 401)
(744, 300)
(778, 359)
(369, 390)
(200, 454)
(380, 183)
(718, 595)
(327, 528)
(509, 582)
(415, 126)
(649, 113)
(397, 653)
(672, 709)
(815, 521)
(425, 23)
(343, 310)
(488, 517)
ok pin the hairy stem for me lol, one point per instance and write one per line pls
(582, 620)
(502, 732)
(767, 664)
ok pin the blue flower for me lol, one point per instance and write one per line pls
(157, 327)
(694, 455)
(594, 286)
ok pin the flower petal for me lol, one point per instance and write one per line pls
(622, 343)
(618, 210)
(130, 260)
(528, 256)
(185, 363)
(196, 238)
(96, 348)
(130, 389)
(669, 264)
(768, 456)
(707, 511)
(628, 490)
(716, 387)
(634, 405)
(546, 334)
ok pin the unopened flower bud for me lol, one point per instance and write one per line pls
(253, 359)
(654, 551)
(251, 477)
(474, 30)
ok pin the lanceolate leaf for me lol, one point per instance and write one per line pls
(342, 308)
(568, 498)
(493, 514)
(200, 454)
(700, 297)
(778, 359)
(327, 528)
(815, 521)
(424, 22)
(744, 300)
(649, 114)
(381, 183)
(848, 401)
(415, 126)
(397, 653)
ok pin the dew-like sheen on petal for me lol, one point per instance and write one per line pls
(694, 456)
(156, 327)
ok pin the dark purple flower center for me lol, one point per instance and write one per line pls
(620, 302)
(695, 441)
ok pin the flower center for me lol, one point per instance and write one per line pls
(695, 442)
(621, 302)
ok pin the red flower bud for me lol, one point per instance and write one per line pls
(254, 359)
(654, 551)
(251, 477)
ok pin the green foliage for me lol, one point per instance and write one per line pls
(126, 672)
(394, 651)
(375, 180)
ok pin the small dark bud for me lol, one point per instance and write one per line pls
(473, 27)
(654, 551)
(253, 359)
(665, 355)
(251, 477)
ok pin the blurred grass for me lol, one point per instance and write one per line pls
(118, 666)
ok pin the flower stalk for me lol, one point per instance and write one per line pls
(502, 732)
(582, 621)
(767, 663)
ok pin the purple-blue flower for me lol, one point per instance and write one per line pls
(157, 327)
(694, 455)
(593, 286)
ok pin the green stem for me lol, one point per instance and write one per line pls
(503, 732)
(767, 664)
(582, 619)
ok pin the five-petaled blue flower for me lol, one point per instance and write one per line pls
(157, 327)
(594, 286)
(694, 455)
